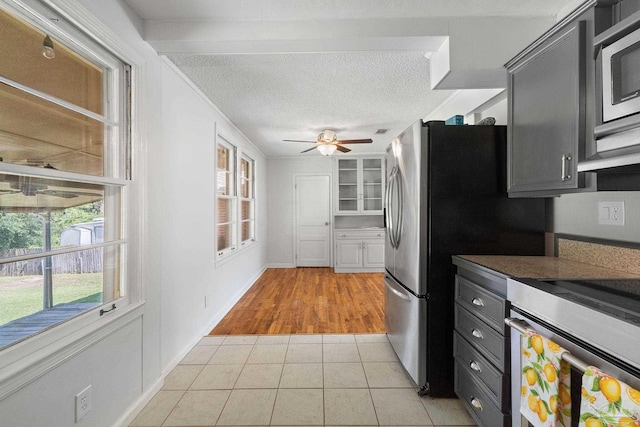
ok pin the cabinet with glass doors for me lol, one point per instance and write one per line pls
(359, 186)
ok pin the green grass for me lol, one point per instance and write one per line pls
(21, 296)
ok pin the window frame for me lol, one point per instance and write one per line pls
(251, 199)
(237, 245)
(27, 360)
(232, 198)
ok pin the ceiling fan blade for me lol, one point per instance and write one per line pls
(67, 194)
(297, 140)
(342, 149)
(305, 151)
(355, 141)
(9, 191)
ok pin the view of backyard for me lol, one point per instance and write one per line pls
(22, 296)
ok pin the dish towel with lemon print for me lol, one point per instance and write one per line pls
(607, 401)
(546, 382)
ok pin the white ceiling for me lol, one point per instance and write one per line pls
(286, 69)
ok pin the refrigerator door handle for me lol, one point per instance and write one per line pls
(397, 180)
(397, 292)
(389, 213)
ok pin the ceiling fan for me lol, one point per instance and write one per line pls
(327, 143)
(28, 186)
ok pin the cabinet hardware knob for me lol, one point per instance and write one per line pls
(476, 333)
(474, 365)
(478, 302)
(476, 403)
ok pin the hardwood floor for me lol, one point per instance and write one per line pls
(308, 301)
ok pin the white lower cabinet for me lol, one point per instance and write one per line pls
(359, 251)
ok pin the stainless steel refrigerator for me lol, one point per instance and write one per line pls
(445, 195)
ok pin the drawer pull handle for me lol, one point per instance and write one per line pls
(474, 365)
(476, 403)
(478, 302)
(476, 333)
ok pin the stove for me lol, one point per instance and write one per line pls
(603, 313)
(597, 321)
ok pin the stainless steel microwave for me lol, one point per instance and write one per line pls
(617, 130)
(621, 78)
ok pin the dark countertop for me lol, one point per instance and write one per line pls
(543, 267)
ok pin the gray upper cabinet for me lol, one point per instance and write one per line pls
(547, 114)
(550, 89)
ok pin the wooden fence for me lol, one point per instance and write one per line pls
(86, 261)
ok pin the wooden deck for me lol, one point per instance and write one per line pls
(37, 322)
(308, 301)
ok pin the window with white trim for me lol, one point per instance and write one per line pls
(247, 200)
(226, 197)
(64, 170)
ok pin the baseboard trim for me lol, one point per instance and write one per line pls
(212, 323)
(148, 394)
(281, 265)
(227, 308)
(132, 412)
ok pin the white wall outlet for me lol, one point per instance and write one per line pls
(83, 403)
(611, 213)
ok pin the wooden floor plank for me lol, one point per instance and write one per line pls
(308, 301)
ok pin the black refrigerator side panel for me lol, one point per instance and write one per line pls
(469, 213)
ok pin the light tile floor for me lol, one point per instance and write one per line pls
(297, 380)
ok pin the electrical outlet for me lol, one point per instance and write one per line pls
(611, 213)
(83, 403)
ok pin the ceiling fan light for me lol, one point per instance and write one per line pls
(328, 135)
(47, 48)
(326, 150)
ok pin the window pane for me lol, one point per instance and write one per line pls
(224, 236)
(245, 190)
(223, 158)
(245, 169)
(247, 230)
(224, 183)
(224, 211)
(246, 210)
(37, 132)
(70, 213)
(68, 76)
(39, 293)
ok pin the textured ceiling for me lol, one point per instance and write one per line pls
(295, 96)
(359, 65)
(336, 9)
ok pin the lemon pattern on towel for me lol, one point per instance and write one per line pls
(607, 401)
(546, 379)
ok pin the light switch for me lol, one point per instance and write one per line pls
(611, 213)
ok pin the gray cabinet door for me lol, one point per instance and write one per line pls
(547, 113)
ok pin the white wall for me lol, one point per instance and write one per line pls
(127, 366)
(280, 172)
(187, 183)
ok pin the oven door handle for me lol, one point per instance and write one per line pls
(523, 327)
(517, 324)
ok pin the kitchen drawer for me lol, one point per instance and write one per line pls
(359, 234)
(485, 339)
(477, 401)
(482, 303)
(478, 366)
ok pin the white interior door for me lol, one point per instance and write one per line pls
(313, 220)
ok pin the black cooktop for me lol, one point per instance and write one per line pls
(615, 297)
